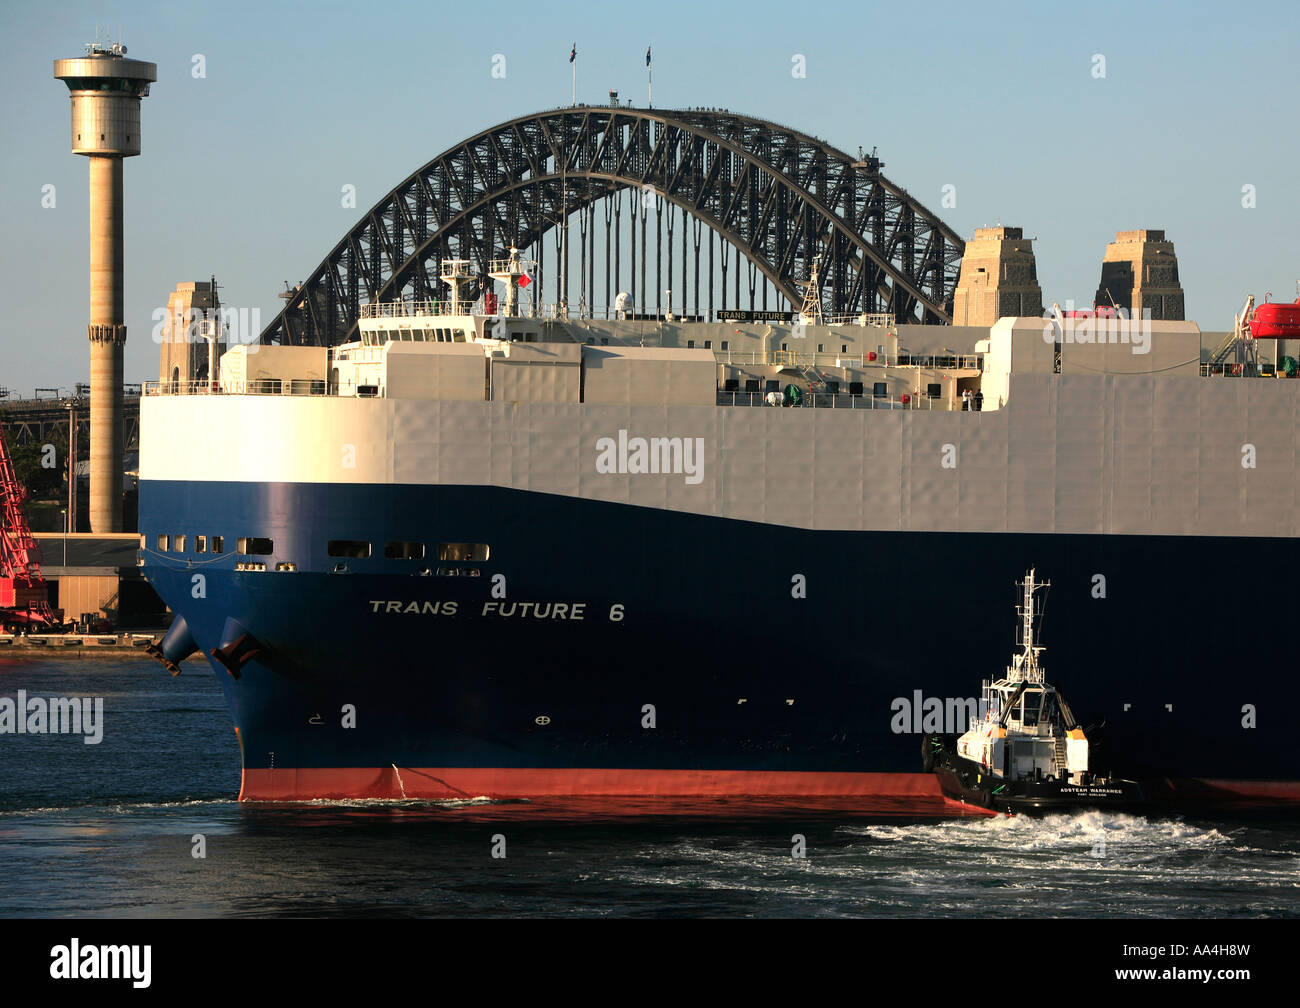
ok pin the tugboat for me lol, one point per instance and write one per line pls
(1024, 752)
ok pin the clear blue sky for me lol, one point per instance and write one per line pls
(242, 169)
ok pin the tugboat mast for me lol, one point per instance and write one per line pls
(1025, 665)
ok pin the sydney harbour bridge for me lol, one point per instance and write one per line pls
(690, 212)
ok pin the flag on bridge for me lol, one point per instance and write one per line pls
(573, 61)
(647, 55)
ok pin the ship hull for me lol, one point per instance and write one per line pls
(611, 649)
(964, 780)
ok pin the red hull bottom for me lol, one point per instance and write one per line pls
(646, 791)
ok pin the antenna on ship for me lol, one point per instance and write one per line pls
(456, 274)
(1025, 665)
(811, 312)
(510, 272)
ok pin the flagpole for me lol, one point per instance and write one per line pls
(650, 85)
(575, 79)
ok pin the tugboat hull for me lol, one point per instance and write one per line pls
(964, 780)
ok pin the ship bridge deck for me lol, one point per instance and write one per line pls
(430, 351)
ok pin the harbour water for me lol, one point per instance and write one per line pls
(112, 829)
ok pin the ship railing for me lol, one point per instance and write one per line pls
(1227, 369)
(407, 309)
(524, 309)
(798, 358)
(792, 358)
(833, 400)
(517, 265)
(257, 386)
(883, 320)
(940, 362)
(579, 312)
(575, 312)
(157, 388)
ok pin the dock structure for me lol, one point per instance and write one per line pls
(96, 577)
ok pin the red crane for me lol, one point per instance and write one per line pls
(24, 596)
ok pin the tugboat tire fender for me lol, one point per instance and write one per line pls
(927, 753)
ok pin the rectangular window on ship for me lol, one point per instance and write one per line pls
(404, 551)
(473, 552)
(218, 544)
(200, 544)
(356, 549)
(254, 546)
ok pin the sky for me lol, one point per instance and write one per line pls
(1071, 122)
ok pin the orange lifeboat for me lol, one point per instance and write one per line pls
(1274, 320)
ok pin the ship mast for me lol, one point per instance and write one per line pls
(811, 312)
(1025, 665)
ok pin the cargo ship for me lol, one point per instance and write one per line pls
(520, 555)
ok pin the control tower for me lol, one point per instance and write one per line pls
(106, 89)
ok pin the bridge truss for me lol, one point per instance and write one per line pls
(779, 199)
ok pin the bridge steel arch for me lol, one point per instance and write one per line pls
(786, 200)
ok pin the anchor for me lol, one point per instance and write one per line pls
(238, 648)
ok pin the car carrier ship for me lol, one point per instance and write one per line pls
(516, 555)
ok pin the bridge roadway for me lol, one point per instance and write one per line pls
(44, 420)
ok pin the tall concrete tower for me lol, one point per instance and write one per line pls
(106, 90)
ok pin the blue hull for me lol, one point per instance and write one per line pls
(741, 674)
